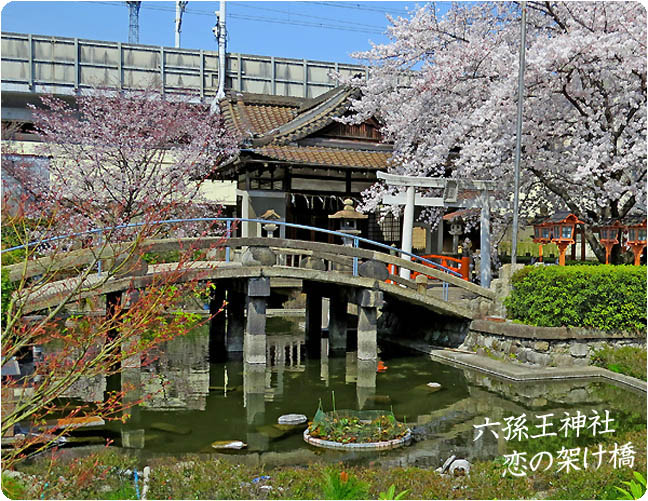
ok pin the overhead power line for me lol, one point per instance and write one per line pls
(344, 26)
(358, 6)
(305, 23)
(279, 11)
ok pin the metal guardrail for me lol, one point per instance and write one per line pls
(39, 63)
(356, 240)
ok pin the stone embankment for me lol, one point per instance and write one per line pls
(542, 346)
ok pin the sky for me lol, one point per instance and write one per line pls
(325, 31)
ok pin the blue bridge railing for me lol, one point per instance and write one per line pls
(229, 221)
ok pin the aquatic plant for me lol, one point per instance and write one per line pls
(346, 428)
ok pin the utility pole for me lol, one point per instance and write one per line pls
(518, 141)
(220, 33)
(133, 21)
(180, 8)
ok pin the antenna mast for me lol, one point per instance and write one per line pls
(133, 21)
(180, 8)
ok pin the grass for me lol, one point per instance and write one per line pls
(97, 477)
(627, 360)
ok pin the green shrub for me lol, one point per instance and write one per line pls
(13, 488)
(605, 297)
(11, 238)
(627, 360)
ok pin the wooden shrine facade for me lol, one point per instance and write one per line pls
(299, 160)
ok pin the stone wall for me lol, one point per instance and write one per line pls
(502, 287)
(542, 346)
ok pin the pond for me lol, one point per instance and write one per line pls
(195, 402)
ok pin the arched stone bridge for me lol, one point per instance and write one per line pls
(249, 267)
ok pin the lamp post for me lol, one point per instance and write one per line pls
(608, 236)
(562, 225)
(518, 135)
(636, 236)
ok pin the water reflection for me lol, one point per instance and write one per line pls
(195, 403)
(178, 378)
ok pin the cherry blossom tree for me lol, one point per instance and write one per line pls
(445, 89)
(115, 159)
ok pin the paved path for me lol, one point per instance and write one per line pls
(519, 372)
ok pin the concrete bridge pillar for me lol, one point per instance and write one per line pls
(366, 383)
(338, 323)
(254, 343)
(324, 362)
(368, 301)
(217, 345)
(254, 379)
(313, 322)
(131, 385)
(351, 367)
(235, 320)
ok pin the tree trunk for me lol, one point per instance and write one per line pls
(594, 243)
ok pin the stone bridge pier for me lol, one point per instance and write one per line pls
(368, 302)
(239, 325)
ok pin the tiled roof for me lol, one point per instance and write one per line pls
(265, 118)
(334, 157)
(278, 120)
(270, 127)
(313, 118)
(253, 115)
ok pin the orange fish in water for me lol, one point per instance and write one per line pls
(381, 366)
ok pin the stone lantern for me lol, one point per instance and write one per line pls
(270, 227)
(456, 229)
(348, 221)
(563, 224)
(636, 235)
(608, 236)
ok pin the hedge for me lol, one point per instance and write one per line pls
(606, 297)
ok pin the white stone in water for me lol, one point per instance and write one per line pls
(434, 386)
(293, 419)
(228, 444)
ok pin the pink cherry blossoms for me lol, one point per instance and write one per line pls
(445, 89)
(121, 157)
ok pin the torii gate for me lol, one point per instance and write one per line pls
(450, 198)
